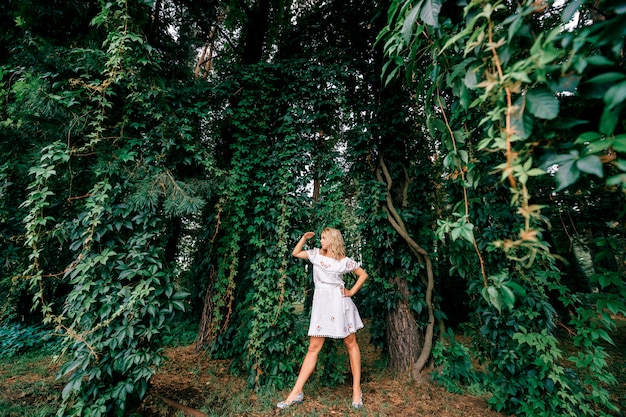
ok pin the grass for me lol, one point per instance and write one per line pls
(28, 385)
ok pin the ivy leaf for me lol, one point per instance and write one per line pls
(619, 143)
(607, 78)
(599, 61)
(615, 95)
(456, 233)
(566, 175)
(515, 23)
(618, 179)
(67, 390)
(409, 21)
(521, 122)
(471, 80)
(591, 164)
(492, 295)
(542, 103)
(517, 289)
(467, 232)
(507, 296)
(599, 145)
(588, 137)
(549, 384)
(430, 12)
(609, 119)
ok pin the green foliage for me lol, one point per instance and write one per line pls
(496, 78)
(266, 211)
(118, 171)
(333, 364)
(594, 321)
(16, 339)
(122, 302)
(453, 365)
(544, 378)
(501, 292)
(511, 361)
(183, 332)
(96, 207)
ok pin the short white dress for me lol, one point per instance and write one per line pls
(332, 314)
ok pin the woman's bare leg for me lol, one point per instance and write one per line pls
(354, 353)
(308, 365)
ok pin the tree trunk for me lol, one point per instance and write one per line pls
(404, 339)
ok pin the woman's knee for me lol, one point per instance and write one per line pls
(351, 342)
(315, 344)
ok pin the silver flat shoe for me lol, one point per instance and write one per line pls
(360, 403)
(286, 404)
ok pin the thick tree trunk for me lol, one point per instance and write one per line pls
(404, 340)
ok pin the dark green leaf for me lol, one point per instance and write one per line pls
(566, 175)
(609, 119)
(430, 12)
(607, 78)
(542, 103)
(619, 143)
(591, 164)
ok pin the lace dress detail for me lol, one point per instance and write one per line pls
(332, 314)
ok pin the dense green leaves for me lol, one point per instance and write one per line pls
(97, 204)
(131, 191)
(510, 76)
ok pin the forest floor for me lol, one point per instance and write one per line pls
(192, 384)
(203, 387)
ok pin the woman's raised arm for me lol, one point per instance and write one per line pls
(298, 252)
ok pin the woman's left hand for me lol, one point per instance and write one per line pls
(346, 292)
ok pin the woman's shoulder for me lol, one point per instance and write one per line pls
(350, 263)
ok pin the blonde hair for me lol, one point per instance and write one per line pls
(336, 247)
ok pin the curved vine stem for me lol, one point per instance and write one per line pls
(422, 255)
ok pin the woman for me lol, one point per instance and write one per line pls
(333, 313)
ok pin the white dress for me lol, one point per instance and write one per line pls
(332, 314)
